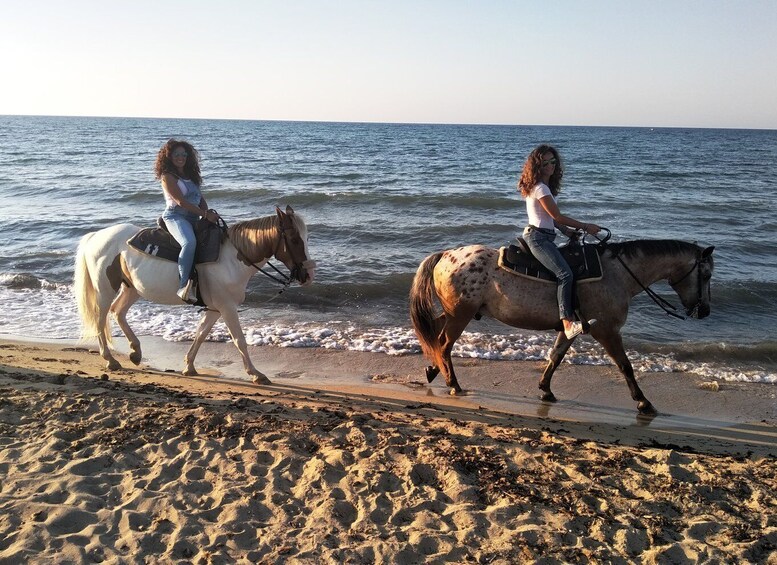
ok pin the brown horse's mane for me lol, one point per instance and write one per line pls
(253, 234)
(651, 247)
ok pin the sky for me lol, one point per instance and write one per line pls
(653, 63)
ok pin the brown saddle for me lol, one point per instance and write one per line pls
(583, 259)
(159, 243)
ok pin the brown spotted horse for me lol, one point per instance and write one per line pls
(469, 282)
(110, 276)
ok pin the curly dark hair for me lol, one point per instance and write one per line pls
(531, 171)
(164, 163)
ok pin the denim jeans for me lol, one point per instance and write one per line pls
(546, 252)
(180, 224)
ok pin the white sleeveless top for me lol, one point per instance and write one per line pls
(183, 185)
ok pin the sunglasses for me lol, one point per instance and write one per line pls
(549, 162)
(180, 154)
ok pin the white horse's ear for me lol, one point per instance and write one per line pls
(289, 210)
(707, 252)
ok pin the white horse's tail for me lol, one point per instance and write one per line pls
(86, 295)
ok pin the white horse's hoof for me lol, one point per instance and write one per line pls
(260, 379)
(190, 373)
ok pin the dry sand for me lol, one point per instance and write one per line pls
(352, 458)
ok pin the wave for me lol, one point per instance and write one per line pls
(26, 281)
(35, 308)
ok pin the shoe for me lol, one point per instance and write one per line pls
(187, 293)
(577, 328)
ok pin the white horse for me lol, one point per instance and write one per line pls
(110, 276)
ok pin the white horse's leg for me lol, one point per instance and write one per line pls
(104, 299)
(206, 324)
(233, 325)
(122, 303)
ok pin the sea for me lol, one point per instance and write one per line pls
(377, 199)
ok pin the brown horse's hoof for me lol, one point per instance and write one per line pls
(113, 365)
(261, 379)
(455, 391)
(431, 373)
(135, 357)
(548, 397)
(645, 408)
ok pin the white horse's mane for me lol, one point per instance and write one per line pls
(252, 235)
(260, 234)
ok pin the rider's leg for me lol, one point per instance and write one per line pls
(182, 231)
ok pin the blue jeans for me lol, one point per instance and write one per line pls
(546, 252)
(180, 224)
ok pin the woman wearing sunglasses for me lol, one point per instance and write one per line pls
(178, 167)
(539, 185)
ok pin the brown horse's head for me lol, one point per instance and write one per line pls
(691, 282)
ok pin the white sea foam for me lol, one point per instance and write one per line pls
(49, 312)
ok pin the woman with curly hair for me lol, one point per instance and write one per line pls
(178, 167)
(539, 185)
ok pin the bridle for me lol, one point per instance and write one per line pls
(294, 272)
(662, 303)
(279, 276)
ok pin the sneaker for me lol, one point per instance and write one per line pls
(577, 328)
(574, 330)
(187, 293)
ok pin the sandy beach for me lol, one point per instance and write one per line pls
(353, 458)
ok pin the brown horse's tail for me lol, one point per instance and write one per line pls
(422, 299)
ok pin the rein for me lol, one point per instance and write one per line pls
(284, 279)
(281, 278)
(662, 303)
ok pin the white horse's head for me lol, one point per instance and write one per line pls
(293, 248)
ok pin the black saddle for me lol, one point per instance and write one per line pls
(159, 243)
(583, 259)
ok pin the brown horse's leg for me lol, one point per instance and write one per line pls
(432, 371)
(613, 345)
(451, 332)
(560, 349)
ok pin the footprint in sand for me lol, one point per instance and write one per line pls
(289, 374)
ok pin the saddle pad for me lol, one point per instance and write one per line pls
(583, 260)
(159, 243)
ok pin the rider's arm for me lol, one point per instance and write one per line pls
(552, 209)
(564, 229)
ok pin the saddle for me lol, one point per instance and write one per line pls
(158, 242)
(583, 259)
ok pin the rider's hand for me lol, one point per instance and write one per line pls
(591, 229)
(212, 216)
